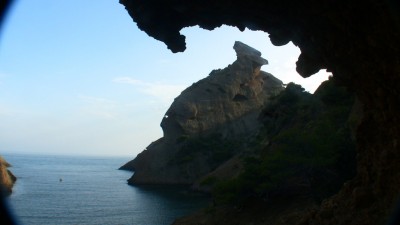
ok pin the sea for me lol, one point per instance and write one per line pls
(91, 190)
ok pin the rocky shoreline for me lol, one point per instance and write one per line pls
(7, 179)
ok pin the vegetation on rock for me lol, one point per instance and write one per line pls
(309, 148)
(215, 147)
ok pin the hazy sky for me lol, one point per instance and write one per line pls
(79, 77)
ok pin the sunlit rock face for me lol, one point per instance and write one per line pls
(223, 97)
(356, 40)
(7, 179)
(226, 104)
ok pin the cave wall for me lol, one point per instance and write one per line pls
(358, 41)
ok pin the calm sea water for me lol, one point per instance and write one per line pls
(92, 191)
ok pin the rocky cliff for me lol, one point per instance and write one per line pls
(219, 109)
(303, 154)
(224, 96)
(356, 40)
(7, 179)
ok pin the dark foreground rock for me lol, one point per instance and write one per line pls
(356, 40)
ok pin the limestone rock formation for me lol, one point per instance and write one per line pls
(7, 179)
(224, 96)
(356, 40)
(225, 105)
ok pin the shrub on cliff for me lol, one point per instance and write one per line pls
(309, 148)
(213, 146)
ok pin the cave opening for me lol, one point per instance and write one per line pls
(357, 61)
(359, 44)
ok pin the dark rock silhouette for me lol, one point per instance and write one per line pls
(356, 40)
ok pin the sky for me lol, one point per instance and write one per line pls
(79, 78)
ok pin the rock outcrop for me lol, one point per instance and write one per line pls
(303, 154)
(356, 40)
(225, 105)
(224, 96)
(7, 179)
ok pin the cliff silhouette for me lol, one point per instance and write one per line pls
(356, 41)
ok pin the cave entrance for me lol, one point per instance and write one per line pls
(282, 59)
